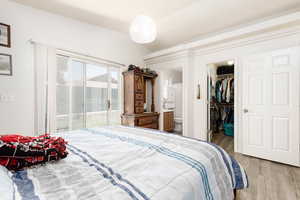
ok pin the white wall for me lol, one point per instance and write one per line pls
(28, 23)
(172, 75)
(178, 100)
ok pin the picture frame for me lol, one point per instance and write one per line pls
(5, 35)
(5, 64)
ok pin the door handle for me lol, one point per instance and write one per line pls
(246, 110)
(108, 104)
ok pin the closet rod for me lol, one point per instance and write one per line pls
(225, 76)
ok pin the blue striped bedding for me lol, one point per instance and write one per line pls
(124, 163)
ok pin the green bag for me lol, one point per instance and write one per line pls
(228, 129)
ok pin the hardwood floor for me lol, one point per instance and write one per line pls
(268, 180)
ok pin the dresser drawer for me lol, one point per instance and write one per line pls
(139, 103)
(147, 120)
(152, 126)
(139, 96)
(139, 110)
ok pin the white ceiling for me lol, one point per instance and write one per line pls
(178, 20)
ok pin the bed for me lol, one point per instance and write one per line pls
(125, 163)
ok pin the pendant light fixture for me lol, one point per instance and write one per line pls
(143, 30)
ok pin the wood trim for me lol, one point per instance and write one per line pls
(153, 94)
(147, 75)
(8, 36)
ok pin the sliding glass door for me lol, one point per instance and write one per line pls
(88, 94)
(96, 95)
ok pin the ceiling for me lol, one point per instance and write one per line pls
(178, 21)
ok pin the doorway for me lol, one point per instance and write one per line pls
(220, 103)
(172, 100)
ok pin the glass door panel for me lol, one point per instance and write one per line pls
(62, 108)
(69, 94)
(96, 95)
(114, 114)
(62, 94)
(77, 117)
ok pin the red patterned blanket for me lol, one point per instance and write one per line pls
(17, 152)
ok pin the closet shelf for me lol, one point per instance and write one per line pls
(223, 104)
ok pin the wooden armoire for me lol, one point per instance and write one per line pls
(136, 100)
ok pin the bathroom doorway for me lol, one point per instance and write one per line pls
(172, 100)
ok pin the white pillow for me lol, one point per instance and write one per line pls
(6, 184)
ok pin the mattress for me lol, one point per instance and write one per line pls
(124, 163)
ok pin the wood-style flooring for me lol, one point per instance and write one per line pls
(268, 180)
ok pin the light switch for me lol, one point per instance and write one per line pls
(7, 98)
(2, 98)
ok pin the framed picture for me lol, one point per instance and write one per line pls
(4, 35)
(5, 64)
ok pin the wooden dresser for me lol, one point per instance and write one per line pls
(135, 90)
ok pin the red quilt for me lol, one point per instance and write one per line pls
(17, 152)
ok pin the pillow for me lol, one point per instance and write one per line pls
(6, 184)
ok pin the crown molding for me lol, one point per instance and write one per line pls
(248, 41)
(179, 55)
(171, 53)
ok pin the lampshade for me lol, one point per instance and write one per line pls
(143, 30)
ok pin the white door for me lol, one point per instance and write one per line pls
(271, 106)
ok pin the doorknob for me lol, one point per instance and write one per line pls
(246, 110)
(108, 104)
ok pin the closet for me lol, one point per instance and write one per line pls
(268, 106)
(220, 99)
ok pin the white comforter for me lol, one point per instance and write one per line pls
(122, 163)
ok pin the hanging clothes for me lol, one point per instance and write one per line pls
(232, 91)
(228, 90)
(214, 119)
(221, 115)
(222, 110)
(218, 91)
(224, 90)
(229, 115)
